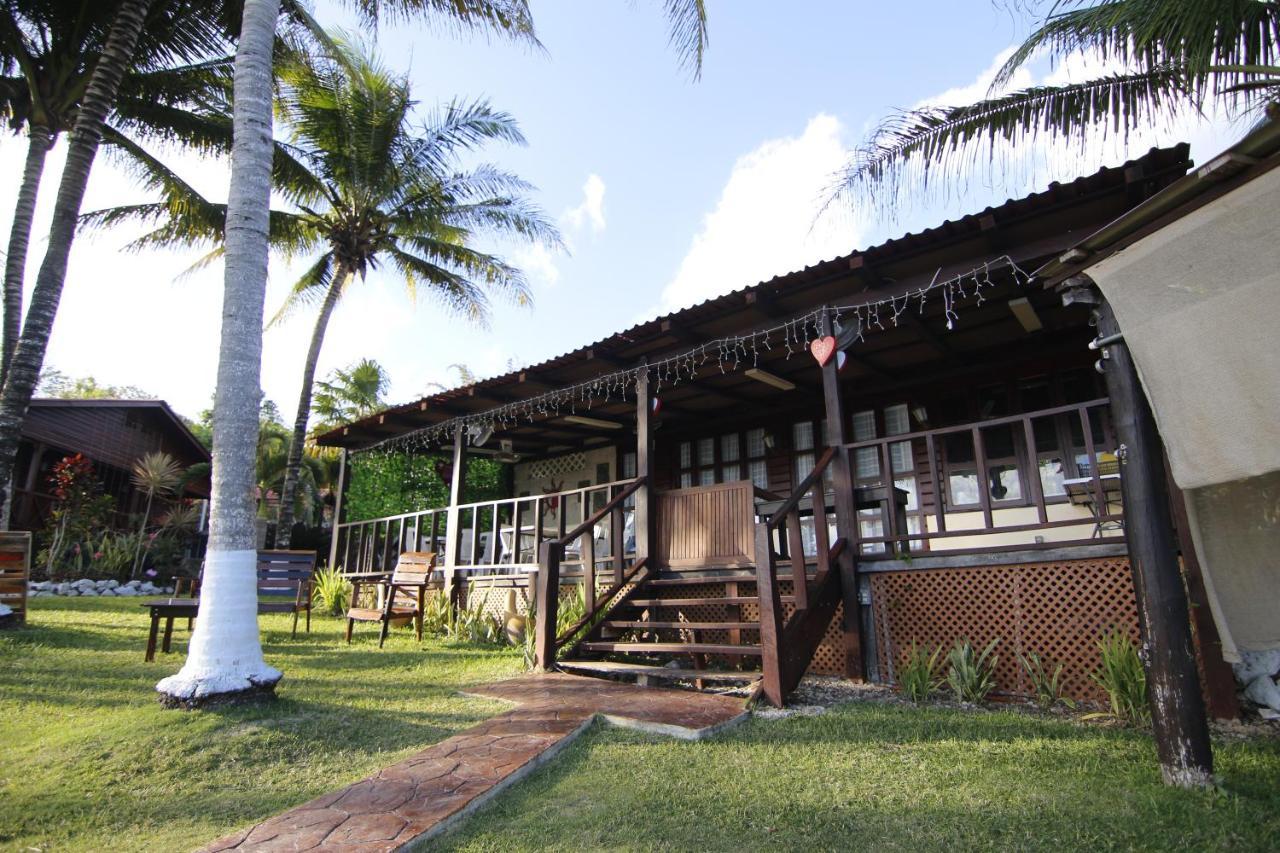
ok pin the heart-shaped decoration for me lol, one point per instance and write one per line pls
(823, 349)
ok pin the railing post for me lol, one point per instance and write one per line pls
(795, 549)
(547, 593)
(770, 618)
(846, 515)
(644, 450)
(453, 526)
(337, 508)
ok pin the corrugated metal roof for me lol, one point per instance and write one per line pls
(1154, 162)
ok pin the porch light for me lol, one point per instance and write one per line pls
(769, 379)
(1026, 314)
(921, 414)
(583, 420)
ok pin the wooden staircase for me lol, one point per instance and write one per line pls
(710, 607)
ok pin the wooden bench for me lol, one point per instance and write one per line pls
(15, 571)
(285, 580)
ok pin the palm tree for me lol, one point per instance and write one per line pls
(1170, 55)
(375, 192)
(209, 671)
(47, 55)
(28, 356)
(350, 393)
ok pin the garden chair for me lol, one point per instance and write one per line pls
(285, 581)
(404, 595)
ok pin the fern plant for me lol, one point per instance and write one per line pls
(972, 674)
(1123, 677)
(1046, 686)
(918, 675)
(331, 592)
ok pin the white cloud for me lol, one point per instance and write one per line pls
(763, 224)
(539, 262)
(591, 211)
(981, 85)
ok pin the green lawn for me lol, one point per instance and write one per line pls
(91, 762)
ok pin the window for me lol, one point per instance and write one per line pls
(705, 461)
(802, 444)
(757, 469)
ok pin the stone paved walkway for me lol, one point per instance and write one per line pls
(427, 793)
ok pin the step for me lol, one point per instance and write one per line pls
(605, 667)
(694, 602)
(672, 648)
(689, 626)
(686, 580)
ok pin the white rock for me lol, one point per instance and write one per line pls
(111, 584)
(72, 592)
(91, 593)
(134, 584)
(63, 588)
(1252, 665)
(84, 583)
(1264, 691)
(126, 591)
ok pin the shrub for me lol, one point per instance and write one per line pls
(971, 674)
(437, 614)
(1121, 674)
(1046, 687)
(474, 625)
(331, 592)
(918, 675)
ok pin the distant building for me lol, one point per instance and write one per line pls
(113, 434)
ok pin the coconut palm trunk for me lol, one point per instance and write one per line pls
(39, 141)
(293, 463)
(28, 356)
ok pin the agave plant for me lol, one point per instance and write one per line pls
(156, 473)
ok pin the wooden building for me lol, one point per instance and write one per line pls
(916, 428)
(113, 434)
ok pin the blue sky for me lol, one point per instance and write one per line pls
(668, 190)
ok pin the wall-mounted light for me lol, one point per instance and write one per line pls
(1026, 314)
(768, 440)
(921, 414)
(769, 379)
(841, 360)
(583, 420)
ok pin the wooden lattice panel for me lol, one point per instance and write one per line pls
(1058, 610)
(15, 569)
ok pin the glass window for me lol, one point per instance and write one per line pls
(686, 479)
(729, 448)
(864, 425)
(1051, 477)
(706, 451)
(897, 420)
(802, 436)
(628, 465)
(686, 454)
(706, 476)
(755, 443)
(866, 463)
(804, 465)
(759, 473)
(731, 473)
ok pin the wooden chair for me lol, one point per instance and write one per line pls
(285, 580)
(404, 596)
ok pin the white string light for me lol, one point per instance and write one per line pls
(731, 353)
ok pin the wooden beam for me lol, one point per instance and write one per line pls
(644, 466)
(339, 500)
(1173, 683)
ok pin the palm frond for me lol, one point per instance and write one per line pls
(910, 146)
(308, 291)
(688, 32)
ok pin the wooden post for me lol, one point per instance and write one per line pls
(337, 508)
(846, 515)
(548, 596)
(453, 520)
(644, 453)
(1173, 684)
(771, 623)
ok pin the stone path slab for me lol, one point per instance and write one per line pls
(429, 792)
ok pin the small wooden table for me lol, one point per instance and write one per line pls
(167, 609)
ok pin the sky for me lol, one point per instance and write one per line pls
(667, 190)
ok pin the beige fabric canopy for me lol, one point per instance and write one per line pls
(1199, 304)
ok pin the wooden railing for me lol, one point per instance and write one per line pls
(779, 536)
(938, 523)
(493, 536)
(551, 555)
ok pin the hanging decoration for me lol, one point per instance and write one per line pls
(822, 349)
(800, 334)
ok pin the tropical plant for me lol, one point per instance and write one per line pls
(1163, 56)
(1046, 686)
(349, 394)
(972, 674)
(331, 591)
(79, 510)
(156, 473)
(1123, 677)
(437, 614)
(234, 662)
(472, 624)
(918, 674)
(115, 553)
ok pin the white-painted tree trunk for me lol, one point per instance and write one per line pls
(225, 655)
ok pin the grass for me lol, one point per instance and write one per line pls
(90, 761)
(880, 777)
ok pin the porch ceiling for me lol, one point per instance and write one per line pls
(1030, 230)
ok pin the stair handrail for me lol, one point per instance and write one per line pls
(602, 603)
(797, 495)
(612, 504)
